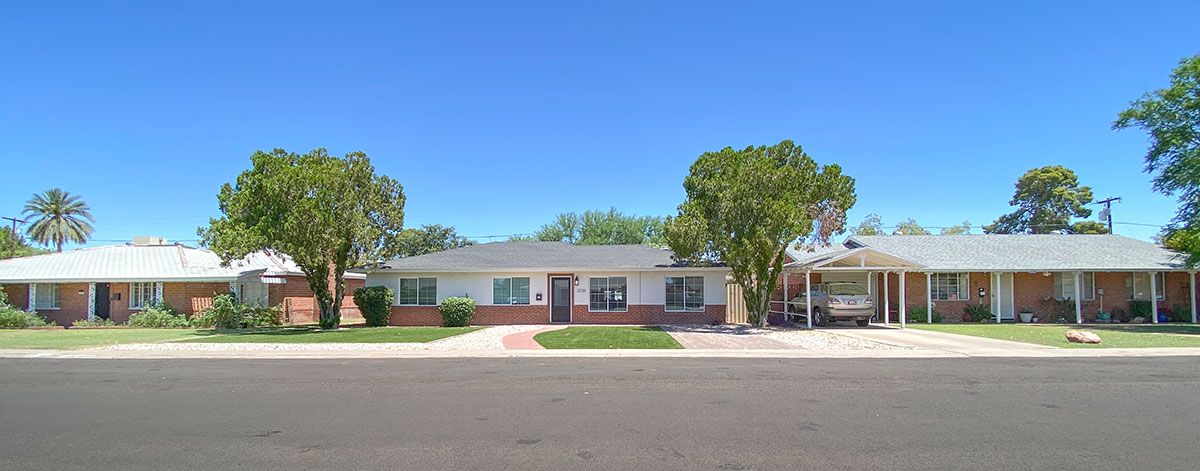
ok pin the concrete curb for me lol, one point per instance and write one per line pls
(417, 354)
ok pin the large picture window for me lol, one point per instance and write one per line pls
(142, 295)
(513, 290)
(949, 286)
(418, 291)
(1064, 286)
(1137, 286)
(685, 293)
(608, 293)
(46, 296)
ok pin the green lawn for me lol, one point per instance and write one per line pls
(352, 335)
(1111, 336)
(82, 338)
(607, 337)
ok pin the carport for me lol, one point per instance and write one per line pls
(838, 263)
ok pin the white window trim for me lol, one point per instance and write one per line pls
(608, 280)
(703, 305)
(33, 297)
(1131, 286)
(963, 286)
(511, 302)
(418, 298)
(155, 294)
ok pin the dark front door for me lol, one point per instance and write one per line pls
(560, 299)
(101, 300)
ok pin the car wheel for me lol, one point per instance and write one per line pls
(863, 322)
(819, 318)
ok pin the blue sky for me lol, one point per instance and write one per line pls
(498, 115)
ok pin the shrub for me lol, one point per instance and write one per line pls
(13, 318)
(978, 313)
(1181, 313)
(157, 315)
(457, 312)
(1140, 308)
(920, 314)
(97, 322)
(227, 313)
(375, 303)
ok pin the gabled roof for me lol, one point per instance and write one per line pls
(850, 258)
(140, 263)
(516, 256)
(1025, 252)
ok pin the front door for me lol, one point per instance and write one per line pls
(101, 300)
(1002, 295)
(560, 299)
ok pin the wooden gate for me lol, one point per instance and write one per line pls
(735, 305)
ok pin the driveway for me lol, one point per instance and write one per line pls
(928, 340)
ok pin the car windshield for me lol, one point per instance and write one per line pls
(847, 290)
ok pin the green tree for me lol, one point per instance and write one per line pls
(430, 238)
(1171, 116)
(1046, 200)
(964, 228)
(58, 217)
(746, 207)
(327, 213)
(872, 224)
(603, 228)
(15, 247)
(910, 227)
(1088, 227)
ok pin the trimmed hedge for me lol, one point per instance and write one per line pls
(375, 304)
(457, 312)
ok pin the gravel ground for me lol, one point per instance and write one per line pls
(806, 339)
(482, 339)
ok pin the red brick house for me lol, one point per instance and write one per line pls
(544, 282)
(1009, 274)
(115, 281)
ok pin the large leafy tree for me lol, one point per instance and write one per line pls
(910, 227)
(746, 207)
(430, 238)
(610, 227)
(1046, 200)
(57, 217)
(961, 229)
(872, 224)
(1172, 118)
(13, 245)
(327, 213)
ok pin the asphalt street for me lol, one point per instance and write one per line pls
(573, 413)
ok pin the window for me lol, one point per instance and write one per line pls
(418, 291)
(1064, 286)
(685, 293)
(949, 286)
(1137, 286)
(142, 295)
(46, 296)
(608, 293)
(510, 290)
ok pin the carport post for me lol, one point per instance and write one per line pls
(808, 298)
(1154, 296)
(1078, 299)
(1192, 279)
(887, 300)
(786, 317)
(928, 298)
(903, 310)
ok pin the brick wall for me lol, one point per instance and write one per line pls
(18, 294)
(540, 314)
(300, 304)
(190, 298)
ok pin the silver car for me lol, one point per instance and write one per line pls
(836, 301)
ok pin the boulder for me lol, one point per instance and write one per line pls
(1079, 336)
(1138, 320)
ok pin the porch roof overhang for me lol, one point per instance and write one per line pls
(856, 259)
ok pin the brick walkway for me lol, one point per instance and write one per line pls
(723, 338)
(524, 340)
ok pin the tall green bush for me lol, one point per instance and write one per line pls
(1140, 308)
(920, 314)
(375, 303)
(1181, 313)
(13, 318)
(978, 312)
(157, 315)
(227, 313)
(457, 312)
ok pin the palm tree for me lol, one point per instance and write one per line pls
(60, 217)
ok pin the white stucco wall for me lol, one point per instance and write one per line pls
(644, 287)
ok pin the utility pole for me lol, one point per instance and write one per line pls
(12, 243)
(1106, 213)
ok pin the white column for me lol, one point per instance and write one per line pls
(91, 301)
(32, 297)
(808, 298)
(870, 289)
(1078, 299)
(1000, 301)
(1192, 279)
(786, 316)
(903, 308)
(887, 300)
(1154, 297)
(929, 298)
